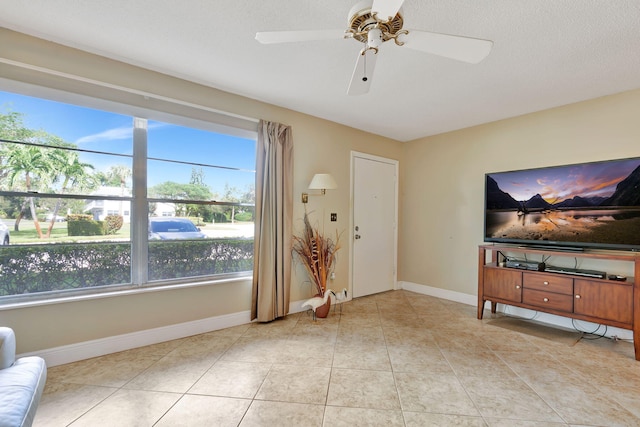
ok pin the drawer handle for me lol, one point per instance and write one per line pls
(545, 283)
(545, 299)
(577, 296)
(517, 286)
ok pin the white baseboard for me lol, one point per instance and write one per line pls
(439, 293)
(549, 319)
(296, 306)
(100, 347)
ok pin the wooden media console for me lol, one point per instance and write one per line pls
(598, 300)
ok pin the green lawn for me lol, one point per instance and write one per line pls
(28, 234)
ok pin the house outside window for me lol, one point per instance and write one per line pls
(80, 187)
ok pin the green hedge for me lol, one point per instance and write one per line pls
(244, 216)
(42, 268)
(171, 259)
(113, 223)
(219, 218)
(55, 267)
(84, 225)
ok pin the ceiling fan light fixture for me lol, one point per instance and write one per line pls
(374, 38)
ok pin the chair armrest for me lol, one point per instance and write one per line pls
(7, 347)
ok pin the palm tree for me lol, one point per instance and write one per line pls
(122, 173)
(12, 129)
(33, 163)
(73, 172)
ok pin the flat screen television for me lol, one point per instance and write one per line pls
(573, 207)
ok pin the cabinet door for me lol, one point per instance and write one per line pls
(503, 283)
(612, 301)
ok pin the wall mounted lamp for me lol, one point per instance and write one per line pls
(322, 182)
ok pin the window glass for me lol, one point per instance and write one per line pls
(212, 233)
(68, 211)
(56, 188)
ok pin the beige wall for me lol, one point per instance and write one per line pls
(320, 146)
(441, 187)
(443, 178)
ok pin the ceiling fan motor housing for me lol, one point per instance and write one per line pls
(361, 22)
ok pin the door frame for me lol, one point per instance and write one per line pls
(396, 164)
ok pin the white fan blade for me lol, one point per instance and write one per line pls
(362, 73)
(386, 10)
(461, 48)
(269, 37)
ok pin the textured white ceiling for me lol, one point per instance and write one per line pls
(546, 53)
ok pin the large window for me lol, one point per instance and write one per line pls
(95, 201)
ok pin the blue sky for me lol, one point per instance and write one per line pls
(105, 131)
(556, 184)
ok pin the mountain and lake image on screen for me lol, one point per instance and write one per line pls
(593, 204)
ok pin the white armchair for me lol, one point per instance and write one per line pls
(21, 383)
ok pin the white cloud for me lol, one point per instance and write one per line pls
(116, 134)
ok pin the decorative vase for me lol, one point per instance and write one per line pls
(323, 310)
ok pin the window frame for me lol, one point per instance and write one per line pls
(181, 113)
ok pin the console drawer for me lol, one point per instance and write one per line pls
(548, 300)
(548, 283)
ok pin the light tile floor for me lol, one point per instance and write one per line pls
(393, 359)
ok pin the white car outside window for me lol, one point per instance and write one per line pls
(4, 234)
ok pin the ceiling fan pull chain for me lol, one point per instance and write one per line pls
(364, 77)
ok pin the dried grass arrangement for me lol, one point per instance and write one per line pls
(317, 253)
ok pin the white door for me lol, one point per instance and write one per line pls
(374, 233)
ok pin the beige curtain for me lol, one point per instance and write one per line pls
(274, 212)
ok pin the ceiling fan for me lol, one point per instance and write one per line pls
(374, 22)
